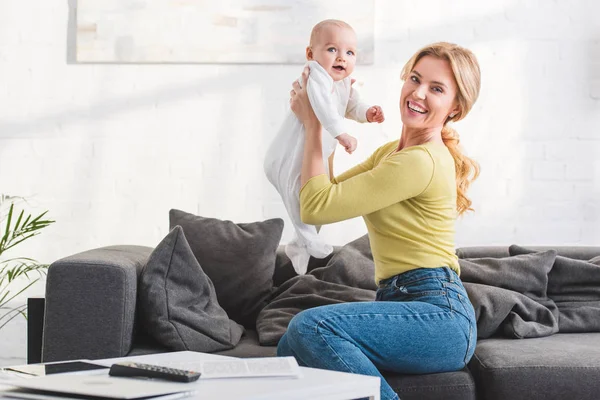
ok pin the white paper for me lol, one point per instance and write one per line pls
(242, 367)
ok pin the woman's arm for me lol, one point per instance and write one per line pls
(365, 166)
(312, 163)
(397, 178)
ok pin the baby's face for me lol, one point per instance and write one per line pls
(335, 50)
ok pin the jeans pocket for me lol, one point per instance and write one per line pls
(469, 314)
(421, 288)
(427, 290)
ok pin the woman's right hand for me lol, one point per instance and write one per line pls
(300, 104)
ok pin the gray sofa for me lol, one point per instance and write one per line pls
(90, 312)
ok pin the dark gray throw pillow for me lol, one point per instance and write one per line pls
(509, 294)
(574, 285)
(177, 302)
(238, 258)
(351, 266)
(569, 279)
(526, 274)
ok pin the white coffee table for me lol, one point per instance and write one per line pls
(314, 383)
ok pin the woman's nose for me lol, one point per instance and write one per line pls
(420, 92)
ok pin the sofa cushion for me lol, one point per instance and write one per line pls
(526, 274)
(574, 285)
(238, 258)
(347, 277)
(284, 270)
(509, 294)
(249, 347)
(457, 385)
(351, 266)
(577, 252)
(177, 301)
(569, 279)
(561, 366)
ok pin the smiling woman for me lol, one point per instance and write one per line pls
(455, 88)
(409, 192)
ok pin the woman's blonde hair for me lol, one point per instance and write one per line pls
(468, 78)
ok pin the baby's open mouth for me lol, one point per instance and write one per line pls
(339, 68)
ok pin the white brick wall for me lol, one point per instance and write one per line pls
(109, 149)
(13, 342)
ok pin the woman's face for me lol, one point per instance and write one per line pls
(428, 95)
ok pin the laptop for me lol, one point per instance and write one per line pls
(96, 387)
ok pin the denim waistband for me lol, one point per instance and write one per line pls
(445, 273)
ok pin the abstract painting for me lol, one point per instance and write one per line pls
(212, 31)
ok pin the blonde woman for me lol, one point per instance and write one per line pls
(409, 193)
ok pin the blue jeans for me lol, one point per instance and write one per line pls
(421, 322)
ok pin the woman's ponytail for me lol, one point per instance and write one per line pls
(467, 169)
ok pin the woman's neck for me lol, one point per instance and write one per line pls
(415, 137)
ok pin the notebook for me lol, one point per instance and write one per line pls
(98, 386)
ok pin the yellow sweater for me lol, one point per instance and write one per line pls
(408, 202)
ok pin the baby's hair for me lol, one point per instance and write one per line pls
(316, 30)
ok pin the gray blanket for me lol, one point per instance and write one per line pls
(509, 299)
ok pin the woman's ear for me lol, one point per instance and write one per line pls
(309, 53)
(454, 112)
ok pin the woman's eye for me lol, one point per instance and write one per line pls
(331, 49)
(438, 89)
(414, 79)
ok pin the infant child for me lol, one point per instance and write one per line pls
(331, 57)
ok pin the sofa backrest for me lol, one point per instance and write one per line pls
(577, 252)
(285, 271)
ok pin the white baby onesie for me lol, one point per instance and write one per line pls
(331, 102)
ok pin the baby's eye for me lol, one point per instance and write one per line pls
(331, 49)
(350, 52)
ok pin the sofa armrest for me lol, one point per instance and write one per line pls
(90, 303)
(35, 328)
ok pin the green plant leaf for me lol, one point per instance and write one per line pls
(7, 230)
(20, 310)
(4, 302)
(17, 230)
(17, 259)
(5, 295)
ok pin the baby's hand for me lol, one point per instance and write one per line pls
(348, 142)
(375, 114)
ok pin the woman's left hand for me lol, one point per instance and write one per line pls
(300, 104)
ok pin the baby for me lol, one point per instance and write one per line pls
(331, 57)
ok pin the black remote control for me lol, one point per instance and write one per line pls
(133, 369)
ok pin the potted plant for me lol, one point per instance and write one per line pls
(15, 228)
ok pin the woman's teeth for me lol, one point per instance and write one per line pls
(416, 108)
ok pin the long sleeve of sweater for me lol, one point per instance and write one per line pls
(374, 186)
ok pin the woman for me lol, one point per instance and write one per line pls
(409, 193)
